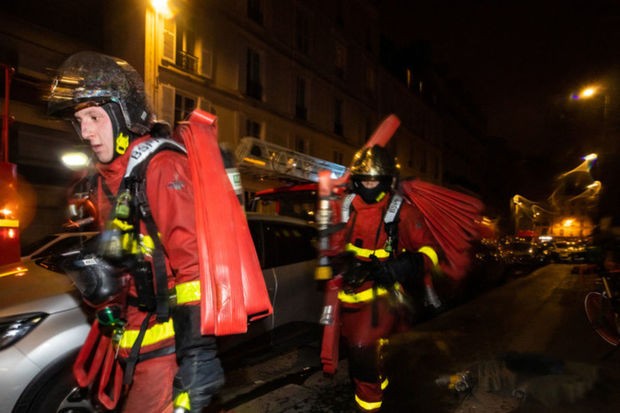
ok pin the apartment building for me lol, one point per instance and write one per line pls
(301, 75)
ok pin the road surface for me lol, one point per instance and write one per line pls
(526, 345)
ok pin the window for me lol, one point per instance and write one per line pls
(180, 47)
(338, 157)
(339, 17)
(255, 11)
(301, 144)
(183, 106)
(253, 87)
(169, 42)
(252, 128)
(370, 80)
(300, 99)
(341, 60)
(338, 128)
(302, 31)
(206, 63)
(186, 49)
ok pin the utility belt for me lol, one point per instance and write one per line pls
(146, 299)
(181, 294)
(363, 296)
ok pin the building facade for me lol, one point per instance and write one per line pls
(305, 75)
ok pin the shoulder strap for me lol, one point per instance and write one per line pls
(390, 221)
(135, 180)
(346, 207)
(145, 151)
(393, 209)
(93, 183)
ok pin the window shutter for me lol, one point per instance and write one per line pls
(166, 94)
(169, 40)
(206, 63)
(206, 105)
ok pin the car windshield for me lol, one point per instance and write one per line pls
(33, 246)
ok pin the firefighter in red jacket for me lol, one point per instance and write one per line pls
(145, 288)
(389, 252)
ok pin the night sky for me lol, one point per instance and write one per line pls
(518, 59)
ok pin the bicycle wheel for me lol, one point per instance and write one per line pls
(602, 317)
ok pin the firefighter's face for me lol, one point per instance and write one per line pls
(370, 184)
(96, 129)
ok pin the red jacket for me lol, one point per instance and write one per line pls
(170, 195)
(365, 229)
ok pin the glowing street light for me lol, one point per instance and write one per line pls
(590, 157)
(162, 7)
(587, 93)
(75, 160)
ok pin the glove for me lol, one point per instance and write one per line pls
(406, 269)
(200, 374)
(358, 272)
(342, 262)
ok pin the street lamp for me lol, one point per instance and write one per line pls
(76, 161)
(591, 92)
(162, 7)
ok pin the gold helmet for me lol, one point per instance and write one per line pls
(373, 164)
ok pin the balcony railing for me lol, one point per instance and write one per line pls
(187, 61)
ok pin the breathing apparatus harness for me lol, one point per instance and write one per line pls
(123, 245)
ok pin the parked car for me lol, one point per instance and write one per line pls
(568, 251)
(54, 244)
(522, 256)
(43, 322)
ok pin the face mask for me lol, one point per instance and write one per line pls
(372, 195)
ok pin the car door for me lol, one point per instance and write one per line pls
(290, 256)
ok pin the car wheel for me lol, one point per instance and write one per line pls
(60, 393)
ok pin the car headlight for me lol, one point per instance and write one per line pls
(14, 328)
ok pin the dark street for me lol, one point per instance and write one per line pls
(527, 346)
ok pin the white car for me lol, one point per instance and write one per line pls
(43, 322)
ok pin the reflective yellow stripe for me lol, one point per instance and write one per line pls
(182, 400)
(430, 253)
(146, 244)
(361, 297)
(367, 405)
(384, 384)
(11, 223)
(382, 342)
(188, 292)
(155, 334)
(363, 252)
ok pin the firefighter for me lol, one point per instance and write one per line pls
(388, 251)
(143, 278)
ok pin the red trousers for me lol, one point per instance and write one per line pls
(151, 389)
(362, 340)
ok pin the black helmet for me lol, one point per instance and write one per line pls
(94, 77)
(373, 164)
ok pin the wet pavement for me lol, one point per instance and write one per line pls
(523, 347)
